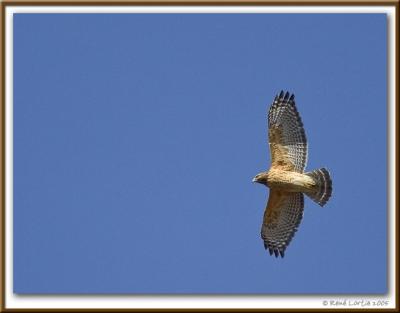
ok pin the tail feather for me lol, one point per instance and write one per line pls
(323, 189)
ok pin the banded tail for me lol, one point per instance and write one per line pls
(323, 189)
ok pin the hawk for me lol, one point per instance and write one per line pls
(286, 178)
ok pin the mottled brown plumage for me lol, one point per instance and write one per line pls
(286, 178)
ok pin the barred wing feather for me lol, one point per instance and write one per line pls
(282, 217)
(287, 138)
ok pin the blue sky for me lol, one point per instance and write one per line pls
(136, 138)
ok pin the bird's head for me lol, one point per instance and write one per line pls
(261, 178)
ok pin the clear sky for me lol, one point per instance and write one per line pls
(136, 138)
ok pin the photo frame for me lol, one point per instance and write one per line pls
(195, 302)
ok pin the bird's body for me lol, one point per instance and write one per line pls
(286, 177)
(290, 181)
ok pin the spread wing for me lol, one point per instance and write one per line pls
(281, 219)
(287, 139)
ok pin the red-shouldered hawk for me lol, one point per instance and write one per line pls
(286, 178)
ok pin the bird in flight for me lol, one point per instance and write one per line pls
(286, 178)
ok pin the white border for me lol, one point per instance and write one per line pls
(141, 301)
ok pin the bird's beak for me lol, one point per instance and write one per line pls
(254, 180)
